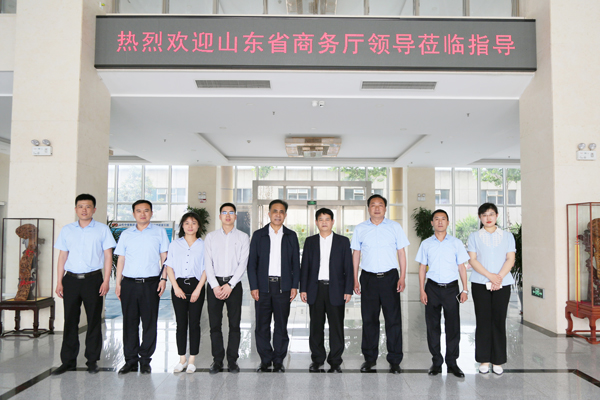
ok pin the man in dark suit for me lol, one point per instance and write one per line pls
(326, 281)
(274, 274)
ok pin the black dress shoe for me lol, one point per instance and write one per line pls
(278, 367)
(315, 367)
(233, 367)
(395, 369)
(335, 368)
(62, 369)
(454, 370)
(129, 367)
(263, 367)
(434, 370)
(367, 366)
(215, 368)
(93, 368)
(145, 368)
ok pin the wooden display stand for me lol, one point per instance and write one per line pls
(583, 310)
(35, 306)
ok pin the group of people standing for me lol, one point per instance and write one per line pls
(327, 277)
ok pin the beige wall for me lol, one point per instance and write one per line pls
(418, 180)
(8, 23)
(205, 179)
(558, 110)
(62, 99)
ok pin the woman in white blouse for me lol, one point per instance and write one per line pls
(185, 268)
(492, 253)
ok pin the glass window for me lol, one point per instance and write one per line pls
(490, 8)
(513, 186)
(390, 7)
(179, 183)
(156, 183)
(353, 193)
(349, 7)
(513, 216)
(124, 213)
(9, 6)
(297, 220)
(160, 212)
(244, 219)
(443, 185)
(325, 193)
(352, 217)
(466, 222)
(241, 7)
(110, 212)
(277, 7)
(378, 175)
(465, 185)
(270, 192)
(190, 6)
(297, 173)
(243, 196)
(448, 209)
(111, 184)
(353, 173)
(492, 185)
(441, 8)
(140, 6)
(298, 193)
(492, 196)
(271, 173)
(129, 186)
(177, 211)
(325, 173)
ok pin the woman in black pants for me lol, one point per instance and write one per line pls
(492, 253)
(185, 268)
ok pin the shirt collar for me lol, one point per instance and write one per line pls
(148, 227)
(231, 231)
(329, 237)
(497, 231)
(271, 230)
(385, 221)
(91, 224)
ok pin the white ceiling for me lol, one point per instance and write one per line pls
(162, 117)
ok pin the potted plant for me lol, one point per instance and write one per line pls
(517, 269)
(204, 218)
(422, 218)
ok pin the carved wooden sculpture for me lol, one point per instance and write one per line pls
(594, 227)
(26, 231)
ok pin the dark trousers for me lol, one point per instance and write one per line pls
(335, 316)
(187, 315)
(490, 315)
(272, 305)
(377, 294)
(437, 298)
(139, 301)
(75, 292)
(215, 318)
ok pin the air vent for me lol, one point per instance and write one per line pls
(396, 85)
(233, 84)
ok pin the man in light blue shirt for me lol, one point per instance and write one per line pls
(85, 248)
(381, 243)
(140, 283)
(445, 255)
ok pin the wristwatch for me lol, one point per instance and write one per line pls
(465, 291)
(163, 279)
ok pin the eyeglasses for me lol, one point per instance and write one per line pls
(228, 212)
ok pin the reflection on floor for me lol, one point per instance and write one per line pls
(538, 365)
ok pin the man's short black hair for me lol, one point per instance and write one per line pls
(85, 196)
(439, 210)
(278, 201)
(142, 201)
(322, 211)
(376, 196)
(227, 205)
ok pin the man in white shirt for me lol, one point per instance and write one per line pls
(274, 275)
(225, 259)
(326, 283)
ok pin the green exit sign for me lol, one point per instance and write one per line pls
(311, 203)
(537, 292)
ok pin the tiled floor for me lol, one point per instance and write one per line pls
(539, 366)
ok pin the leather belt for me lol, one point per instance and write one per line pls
(225, 279)
(445, 285)
(274, 278)
(142, 280)
(86, 275)
(324, 282)
(380, 274)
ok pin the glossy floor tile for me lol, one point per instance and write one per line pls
(539, 366)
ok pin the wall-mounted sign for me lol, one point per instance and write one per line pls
(280, 42)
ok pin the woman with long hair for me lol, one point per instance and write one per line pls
(185, 268)
(492, 251)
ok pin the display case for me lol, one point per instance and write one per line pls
(583, 236)
(27, 271)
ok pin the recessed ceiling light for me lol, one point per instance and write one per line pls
(378, 105)
(314, 129)
(193, 149)
(249, 104)
(222, 127)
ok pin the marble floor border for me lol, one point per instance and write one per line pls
(26, 385)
